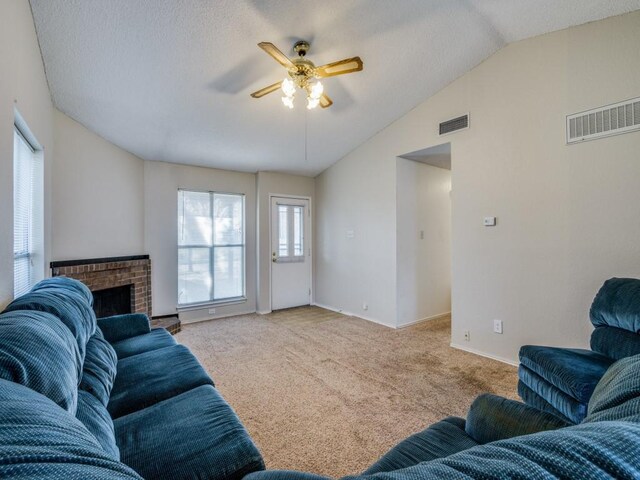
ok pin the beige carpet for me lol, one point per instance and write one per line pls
(326, 393)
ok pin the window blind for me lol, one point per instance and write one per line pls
(24, 180)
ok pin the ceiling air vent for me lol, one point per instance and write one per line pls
(455, 124)
(601, 122)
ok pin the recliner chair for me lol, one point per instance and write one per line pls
(561, 380)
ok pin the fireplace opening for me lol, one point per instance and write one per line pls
(112, 301)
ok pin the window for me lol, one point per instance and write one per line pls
(28, 264)
(290, 233)
(211, 247)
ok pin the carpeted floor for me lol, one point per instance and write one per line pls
(326, 393)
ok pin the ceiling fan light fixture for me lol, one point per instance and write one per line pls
(316, 90)
(288, 101)
(312, 102)
(288, 87)
(303, 74)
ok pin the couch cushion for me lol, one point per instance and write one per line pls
(93, 414)
(617, 304)
(158, 338)
(492, 418)
(191, 436)
(530, 397)
(39, 440)
(39, 352)
(65, 283)
(573, 371)
(439, 440)
(70, 307)
(617, 396)
(569, 407)
(99, 370)
(615, 343)
(148, 378)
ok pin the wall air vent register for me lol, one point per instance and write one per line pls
(615, 119)
(455, 124)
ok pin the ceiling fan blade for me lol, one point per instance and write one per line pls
(266, 90)
(280, 57)
(325, 101)
(348, 65)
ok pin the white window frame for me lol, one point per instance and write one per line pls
(212, 300)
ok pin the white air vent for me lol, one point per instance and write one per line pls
(455, 124)
(600, 122)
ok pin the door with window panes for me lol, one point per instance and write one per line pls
(290, 252)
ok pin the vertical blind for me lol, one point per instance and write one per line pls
(211, 247)
(25, 228)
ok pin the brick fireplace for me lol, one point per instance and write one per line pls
(111, 278)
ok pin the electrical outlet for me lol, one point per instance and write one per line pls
(467, 336)
(497, 326)
(212, 311)
(365, 306)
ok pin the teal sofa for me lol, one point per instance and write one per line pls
(505, 439)
(108, 398)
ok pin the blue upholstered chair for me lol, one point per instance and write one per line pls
(561, 380)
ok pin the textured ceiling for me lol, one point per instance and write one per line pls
(170, 79)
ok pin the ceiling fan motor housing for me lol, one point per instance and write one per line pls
(301, 48)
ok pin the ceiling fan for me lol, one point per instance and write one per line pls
(303, 74)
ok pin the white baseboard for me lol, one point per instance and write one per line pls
(426, 319)
(216, 317)
(266, 312)
(349, 314)
(484, 354)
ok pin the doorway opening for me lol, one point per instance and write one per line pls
(423, 224)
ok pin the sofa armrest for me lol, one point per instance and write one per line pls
(283, 475)
(493, 418)
(121, 327)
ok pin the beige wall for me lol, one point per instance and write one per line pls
(161, 184)
(98, 198)
(269, 183)
(567, 215)
(23, 86)
(355, 240)
(423, 245)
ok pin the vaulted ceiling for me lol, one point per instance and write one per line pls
(170, 80)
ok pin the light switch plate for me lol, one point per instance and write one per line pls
(497, 326)
(490, 221)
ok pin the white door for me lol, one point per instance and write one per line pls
(290, 252)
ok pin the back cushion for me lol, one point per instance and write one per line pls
(69, 306)
(95, 417)
(99, 371)
(65, 283)
(605, 450)
(617, 395)
(617, 304)
(39, 352)
(615, 343)
(39, 440)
